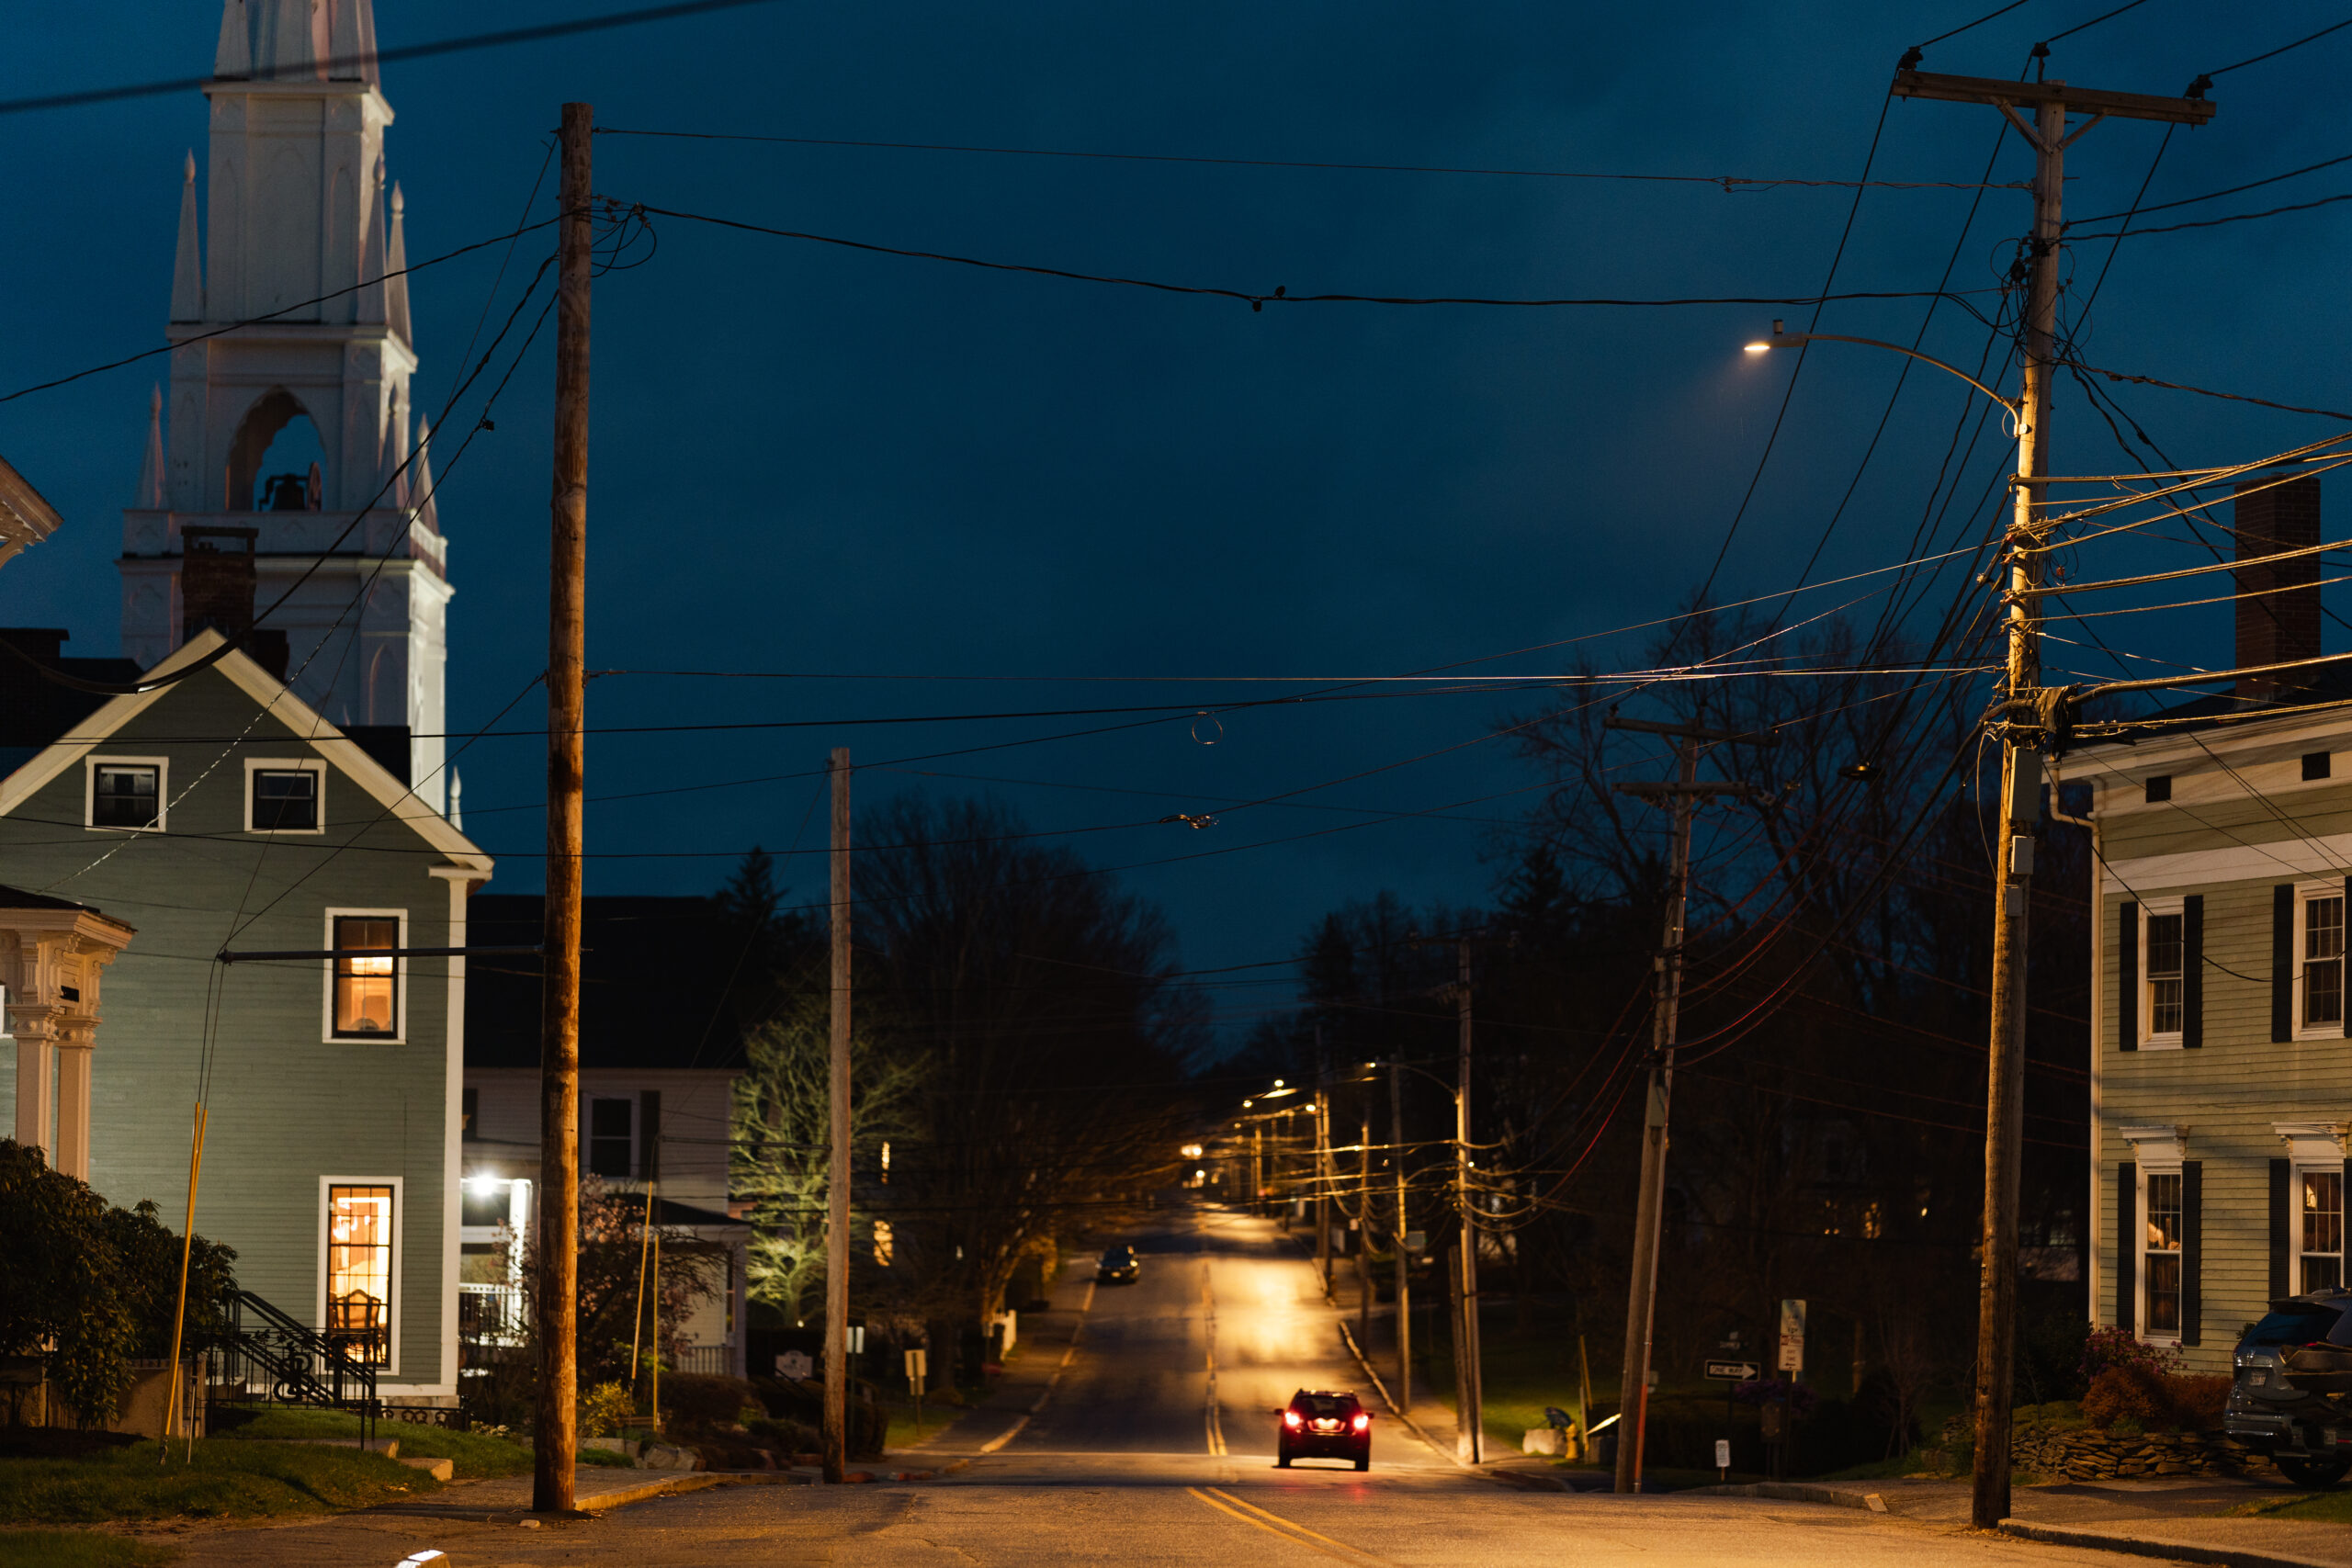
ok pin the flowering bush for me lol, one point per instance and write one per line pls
(2107, 1348)
(2141, 1397)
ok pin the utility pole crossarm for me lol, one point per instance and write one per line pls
(1928, 85)
(1691, 731)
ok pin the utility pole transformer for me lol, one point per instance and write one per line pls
(837, 1172)
(556, 1446)
(1681, 798)
(2024, 730)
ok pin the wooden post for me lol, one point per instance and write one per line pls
(1403, 1263)
(557, 1427)
(1469, 1380)
(1364, 1228)
(837, 1176)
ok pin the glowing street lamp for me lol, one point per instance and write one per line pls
(1782, 338)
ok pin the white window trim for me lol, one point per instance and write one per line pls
(163, 766)
(2310, 1147)
(2304, 893)
(2159, 1151)
(391, 1367)
(399, 1036)
(2150, 908)
(287, 765)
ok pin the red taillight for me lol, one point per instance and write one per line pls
(1363, 1421)
(1290, 1420)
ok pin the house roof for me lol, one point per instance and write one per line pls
(17, 898)
(309, 726)
(658, 976)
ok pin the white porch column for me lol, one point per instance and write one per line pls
(35, 1091)
(72, 1152)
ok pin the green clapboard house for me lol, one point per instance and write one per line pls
(2221, 1077)
(223, 812)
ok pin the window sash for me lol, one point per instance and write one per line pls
(2321, 1194)
(2167, 997)
(285, 800)
(2323, 962)
(360, 1271)
(611, 1123)
(126, 795)
(366, 989)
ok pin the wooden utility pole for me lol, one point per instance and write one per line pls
(1681, 799)
(837, 1178)
(2022, 730)
(556, 1445)
(1403, 1280)
(1363, 1227)
(1322, 1169)
(1470, 1383)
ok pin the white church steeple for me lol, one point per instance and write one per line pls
(300, 225)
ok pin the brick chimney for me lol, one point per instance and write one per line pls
(217, 584)
(2274, 627)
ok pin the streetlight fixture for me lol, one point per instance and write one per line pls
(1782, 338)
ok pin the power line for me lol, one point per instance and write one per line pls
(2267, 54)
(1728, 182)
(347, 67)
(2218, 223)
(2214, 195)
(1278, 294)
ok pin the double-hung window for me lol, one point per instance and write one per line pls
(2163, 1000)
(2320, 1197)
(2160, 1249)
(127, 792)
(360, 1271)
(612, 1126)
(2318, 1006)
(284, 797)
(364, 1002)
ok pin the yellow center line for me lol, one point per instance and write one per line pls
(1216, 1427)
(1276, 1525)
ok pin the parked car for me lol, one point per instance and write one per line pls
(1324, 1423)
(1120, 1266)
(2294, 1377)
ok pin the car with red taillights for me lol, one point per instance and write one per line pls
(1324, 1423)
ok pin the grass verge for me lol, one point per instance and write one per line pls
(473, 1455)
(223, 1478)
(79, 1549)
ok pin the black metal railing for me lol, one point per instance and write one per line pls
(295, 1364)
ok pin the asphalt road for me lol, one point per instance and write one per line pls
(1156, 1447)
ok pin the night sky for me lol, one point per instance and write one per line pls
(950, 490)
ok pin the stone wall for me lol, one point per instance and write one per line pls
(2087, 1454)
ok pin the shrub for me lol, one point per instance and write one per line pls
(90, 1286)
(604, 1408)
(2107, 1348)
(1799, 1397)
(2156, 1399)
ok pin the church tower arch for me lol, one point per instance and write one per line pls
(297, 204)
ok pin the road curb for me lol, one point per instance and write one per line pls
(2231, 1557)
(1794, 1492)
(1518, 1480)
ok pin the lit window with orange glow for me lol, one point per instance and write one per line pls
(366, 993)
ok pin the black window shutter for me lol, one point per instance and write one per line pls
(2347, 1011)
(2282, 964)
(2280, 1174)
(2127, 1242)
(2192, 970)
(2192, 1249)
(2127, 977)
(649, 1134)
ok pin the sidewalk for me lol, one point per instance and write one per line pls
(1047, 1342)
(2172, 1518)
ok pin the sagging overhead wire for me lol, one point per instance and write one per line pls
(1727, 182)
(1281, 294)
